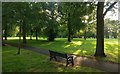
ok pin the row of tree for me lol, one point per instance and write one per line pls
(45, 19)
(52, 19)
(111, 28)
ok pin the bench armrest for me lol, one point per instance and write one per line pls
(70, 57)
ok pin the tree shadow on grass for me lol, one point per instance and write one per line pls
(111, 50)
(77, 47)
(84, 48)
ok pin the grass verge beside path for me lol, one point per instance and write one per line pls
(29, 61)
(77, 46)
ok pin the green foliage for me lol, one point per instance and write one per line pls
(38, 18)
(19, 13)
(50, 19)
(8, 24)
(73, 13)
(111, 28)
(52, 24)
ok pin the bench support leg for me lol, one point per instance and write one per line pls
(51, 57)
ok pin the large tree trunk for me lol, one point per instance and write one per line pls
(19, 42)
(31, 35)
(2, 38)
(51, 35)
(5, 33)
(24, 32)
(69, 28)
(36, 34)
(85, 35)
(100, 31)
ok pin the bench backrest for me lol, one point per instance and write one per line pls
(53, 53)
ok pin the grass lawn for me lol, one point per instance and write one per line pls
(30, 61)
(77, 46)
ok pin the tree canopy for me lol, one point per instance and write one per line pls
(59, 19)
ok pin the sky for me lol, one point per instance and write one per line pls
(112, 15)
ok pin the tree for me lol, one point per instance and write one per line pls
(9, 24)
(51, 20)
(100, 28)
(111, 28)
(21, 15)
(19, 40)
(73, 13)
(35, 23)
(6, 19)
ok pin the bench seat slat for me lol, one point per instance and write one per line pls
(69, 59)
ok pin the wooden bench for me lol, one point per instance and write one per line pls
(54, 55)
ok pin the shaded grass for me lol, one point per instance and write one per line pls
(30, 61)
(78, 47)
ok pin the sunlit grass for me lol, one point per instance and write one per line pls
(76, 42)
(77, 52)
(78, 46)
(29, 61)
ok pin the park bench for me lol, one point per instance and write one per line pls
(68, 58)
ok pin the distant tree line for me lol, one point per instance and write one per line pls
(48, 19)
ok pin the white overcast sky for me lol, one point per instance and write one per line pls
(112, 15)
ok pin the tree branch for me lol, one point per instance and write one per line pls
(109, 8)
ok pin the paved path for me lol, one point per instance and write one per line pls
(78, 60)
